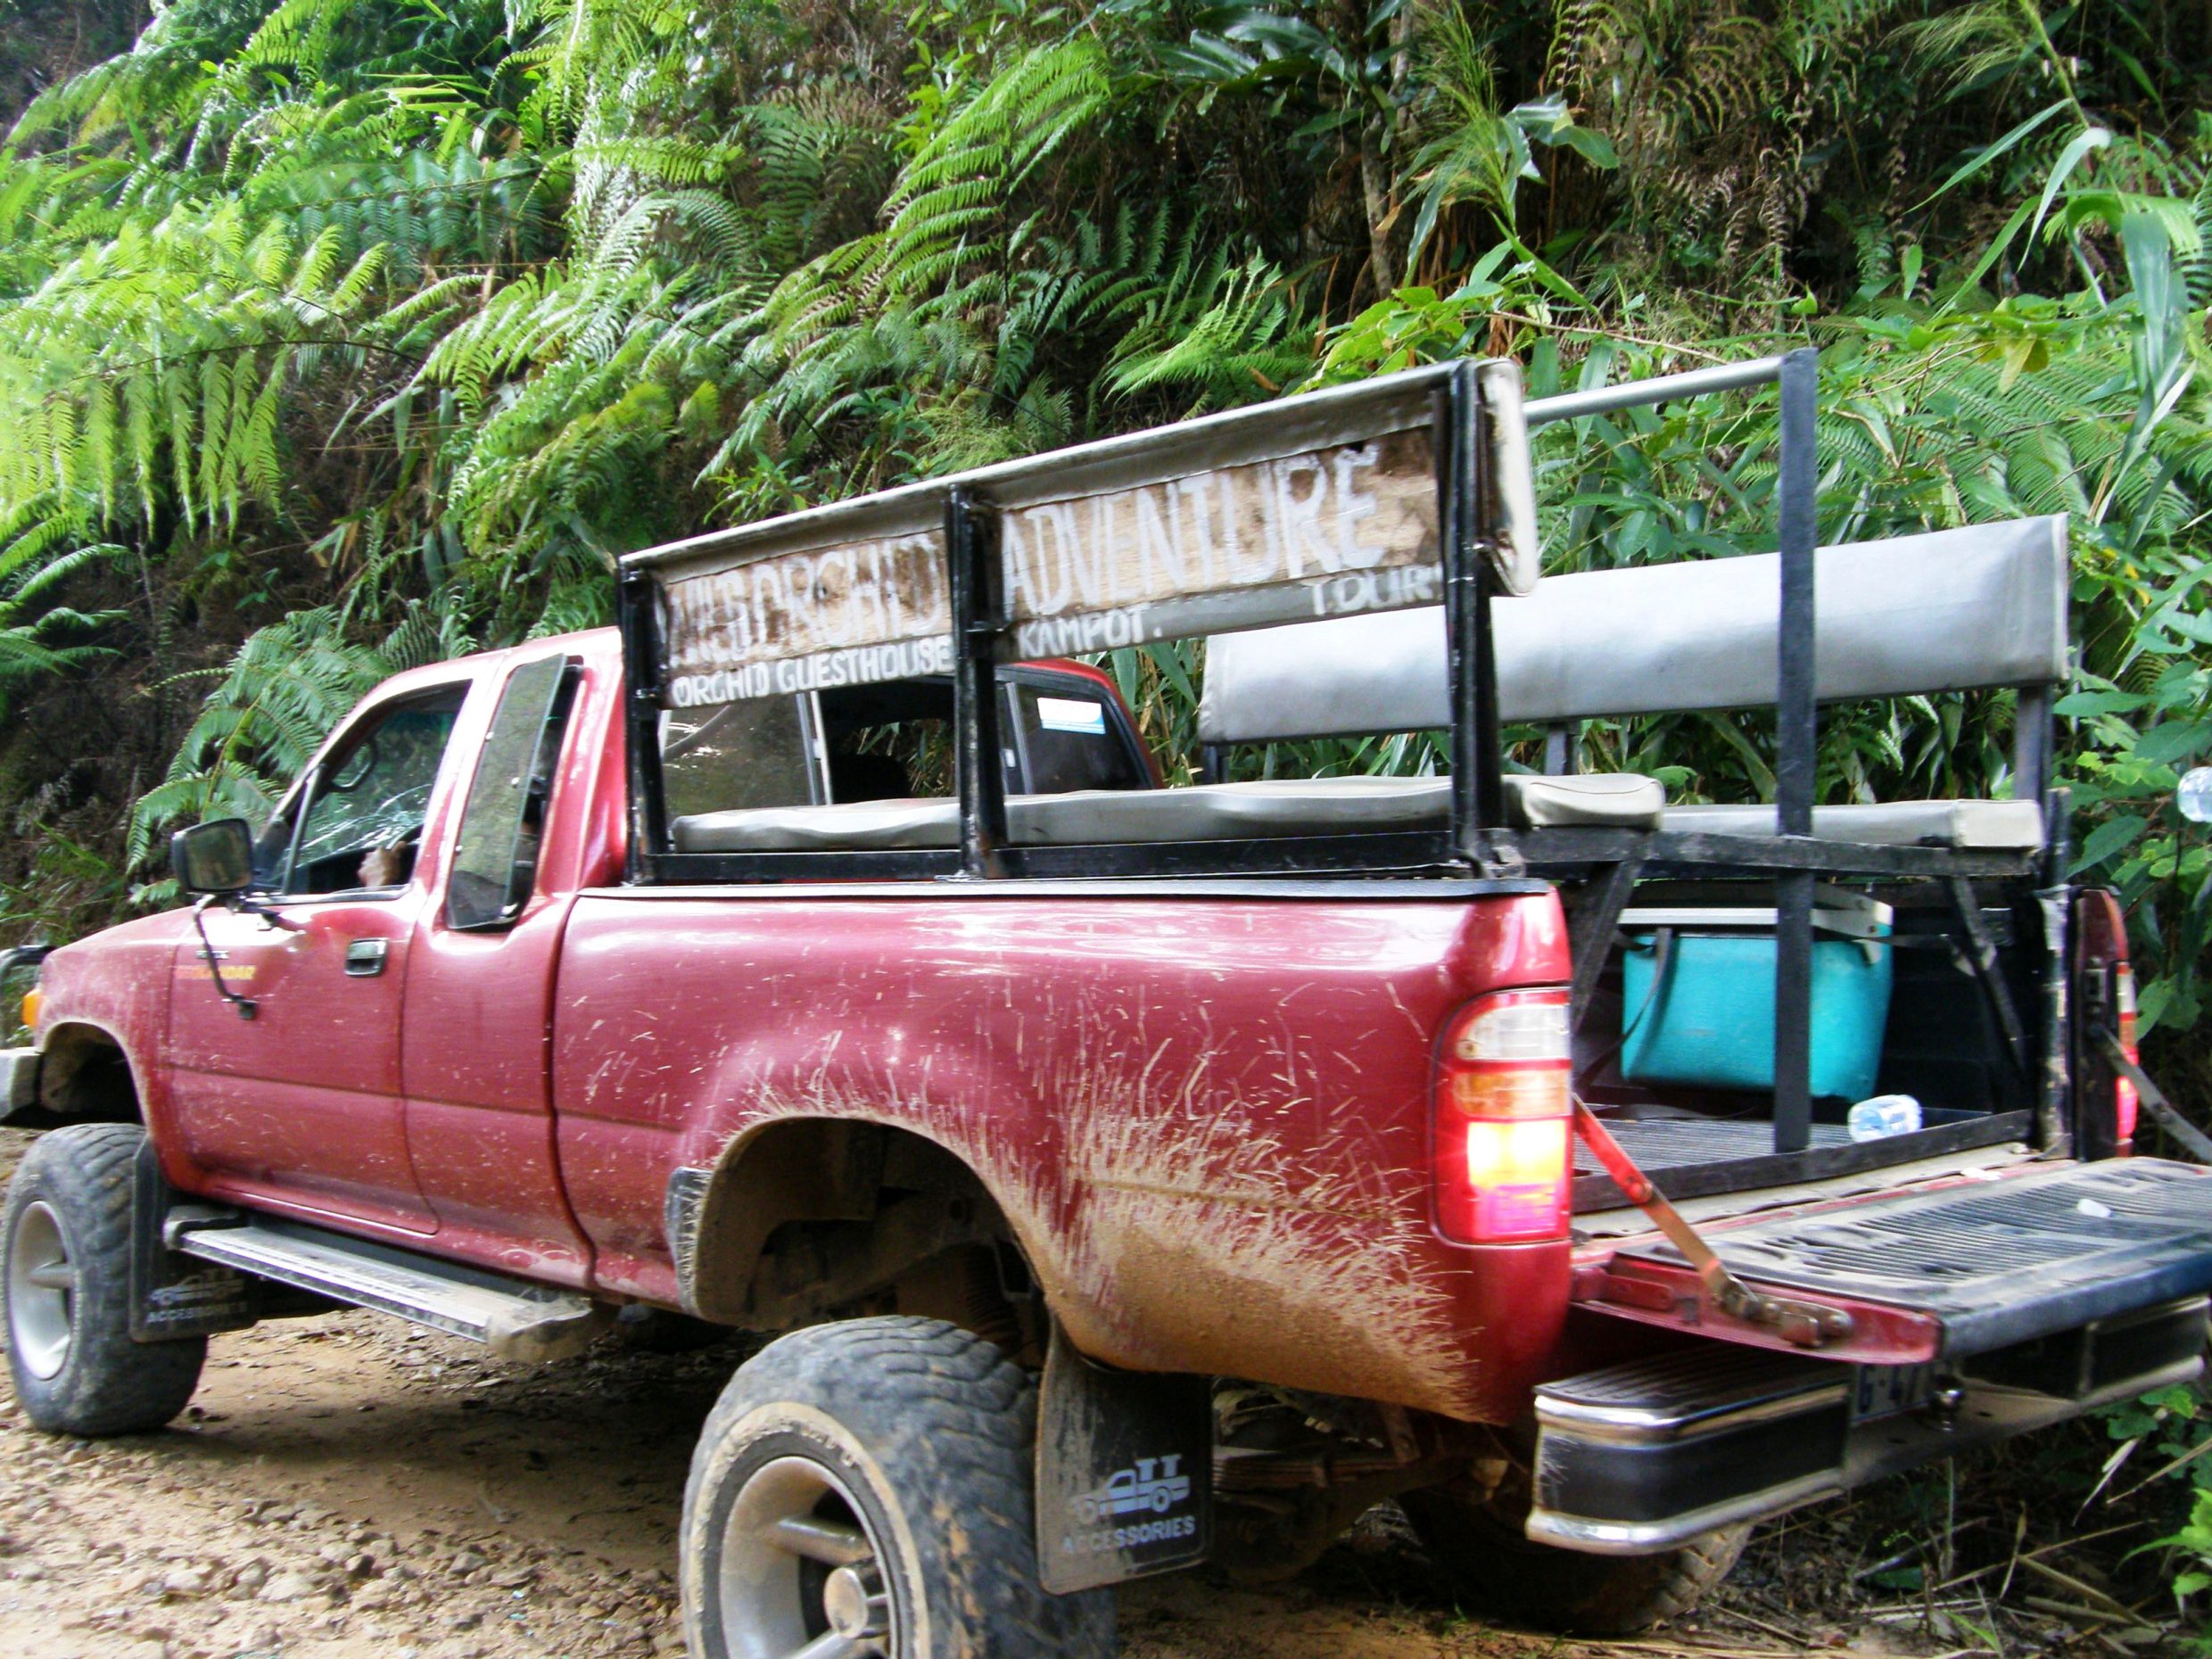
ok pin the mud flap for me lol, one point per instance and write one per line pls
(173, 1295)
(1123, 1472)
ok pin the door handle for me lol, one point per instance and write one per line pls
(365, 958)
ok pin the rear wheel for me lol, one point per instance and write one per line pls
(862, 1490)
(1481, 1553)
(65, 1242)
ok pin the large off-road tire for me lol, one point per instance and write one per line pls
(865, 1488)
(65, 1291)
(1481, 1555)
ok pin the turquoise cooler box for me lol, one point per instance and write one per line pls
(1710, 1021)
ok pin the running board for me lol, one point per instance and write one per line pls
(515, 1318)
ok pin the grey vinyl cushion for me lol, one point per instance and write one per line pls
(1219, 812)
(1290, 807)
(1987, 825)
(1951, 610)
(1226, 811)
(877, 826)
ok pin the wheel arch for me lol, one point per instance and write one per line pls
(889, 1194)
(86, 1075)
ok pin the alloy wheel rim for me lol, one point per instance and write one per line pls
(799, 1574)
(42, 1291)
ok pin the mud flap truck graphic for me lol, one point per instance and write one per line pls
(1153, 1485)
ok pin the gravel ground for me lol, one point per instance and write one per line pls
(348, 1486)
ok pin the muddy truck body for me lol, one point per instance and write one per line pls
(1135, 1176)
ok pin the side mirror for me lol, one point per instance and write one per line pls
(213, 857)
(1515, 553)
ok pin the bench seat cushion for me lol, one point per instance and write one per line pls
(1219, 812)
(2008, 826)
(1291, 807)
(874, 826)
(1231, 812)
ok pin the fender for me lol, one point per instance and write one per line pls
(112, 990)
(1081, 1068)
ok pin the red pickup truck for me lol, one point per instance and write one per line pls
(1140, 1175)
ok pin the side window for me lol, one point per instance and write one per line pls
(365, 806)
(495, 864)
(755, 752)
(1070, 741)
(891, 740)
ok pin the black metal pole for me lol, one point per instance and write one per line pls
(1446, 420)
(1489, 743)
(1563, 743)
(2031, 745)
(1797, 741)
(2055, 1132)
(1479, 518)
(971, 547)
(641, 721)
(1464, 496)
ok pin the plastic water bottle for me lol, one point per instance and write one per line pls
(2193, 795)
(1884, 1115)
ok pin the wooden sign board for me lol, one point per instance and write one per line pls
(1316, 507)
(1318, 534)
(847, 615)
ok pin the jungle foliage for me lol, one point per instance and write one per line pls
(336, 333)
(337, 336)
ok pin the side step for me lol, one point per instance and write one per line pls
(516, 1319)
(1640, 1457)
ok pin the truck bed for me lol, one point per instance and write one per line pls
(1701, 1156)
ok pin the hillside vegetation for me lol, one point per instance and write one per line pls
(339, 334)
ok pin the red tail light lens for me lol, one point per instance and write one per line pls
(1504, 1118)
(2124, 1104)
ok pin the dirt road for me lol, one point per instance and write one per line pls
(345, 1487)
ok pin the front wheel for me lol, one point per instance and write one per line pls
(864, 1491)
(65, 1242)
(1481, 1553)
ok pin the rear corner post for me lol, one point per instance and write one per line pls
(979, 633)
(1465, 510)
(1796, 746)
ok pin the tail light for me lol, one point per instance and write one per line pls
(2125, 1103)
(1504, 1120)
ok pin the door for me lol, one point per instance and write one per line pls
(300, 1106)
(475, 1054)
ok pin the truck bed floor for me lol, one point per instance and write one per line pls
(1696, 1157)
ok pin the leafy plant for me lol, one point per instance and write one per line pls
(323, 317)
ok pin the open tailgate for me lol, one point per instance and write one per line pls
(1944, 1272)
